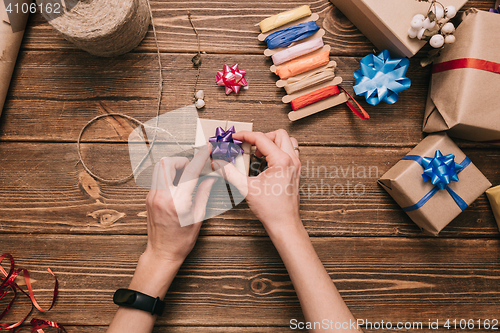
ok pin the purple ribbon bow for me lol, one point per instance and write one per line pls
(224, 147)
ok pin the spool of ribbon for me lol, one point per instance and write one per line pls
(440, 171)
(381, 78)
(283, 18)
(287, 36)
(314, 96)
(480, 64)
(297, 50)
(304, 64)
(224, 147)
(232, 78)
(8, 283)
(310, 80)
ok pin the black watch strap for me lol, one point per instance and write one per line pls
(137, 300)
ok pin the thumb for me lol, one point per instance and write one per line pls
(201, 198)
(230, 173)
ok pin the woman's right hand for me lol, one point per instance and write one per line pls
(273, 196)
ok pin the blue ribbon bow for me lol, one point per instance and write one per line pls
(440, 170)
(381, 78)
(287, 36)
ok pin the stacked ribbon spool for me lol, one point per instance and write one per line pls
(302, 61)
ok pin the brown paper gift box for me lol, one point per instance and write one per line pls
(405, 184)
(11, 34)
(464, 101)
(493, 195)
(206, 129)
(386, 22)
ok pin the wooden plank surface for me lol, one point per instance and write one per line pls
(42, 191)
(242, 281)
(225, 27)
(72, 88)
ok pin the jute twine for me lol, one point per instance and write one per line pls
(104, 28)
(158, 106)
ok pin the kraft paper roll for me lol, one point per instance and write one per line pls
(280, 19)
(11, 34)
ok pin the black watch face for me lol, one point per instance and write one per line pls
(125, 297)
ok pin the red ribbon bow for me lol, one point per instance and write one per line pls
(232, 78)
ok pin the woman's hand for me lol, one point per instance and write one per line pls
(273, 196)
(173, 215)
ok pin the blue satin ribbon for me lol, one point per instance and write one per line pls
(381, 78)
(287, 36)
(440, 170)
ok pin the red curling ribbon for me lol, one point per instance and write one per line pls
(9, 284)
(481, 64)
(313, 97)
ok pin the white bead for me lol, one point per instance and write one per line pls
(439, 11)
(418, 17)
(199, 94)
(437, 41)
(417, 22)
(428, 24)
(199, 103)
(450, 39)
(420, 33)
(450, 11)
(412, 33)
(448, 28)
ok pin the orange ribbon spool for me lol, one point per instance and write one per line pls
(304, 64)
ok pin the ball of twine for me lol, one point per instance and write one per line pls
(104, 28)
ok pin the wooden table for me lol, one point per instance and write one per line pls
(51, 212)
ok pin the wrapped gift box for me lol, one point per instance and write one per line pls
(405, 183)
(206, 128)
(463, 93)
(11, 34)
(386, 22)
(493, 195)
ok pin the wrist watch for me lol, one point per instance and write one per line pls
(137, 300)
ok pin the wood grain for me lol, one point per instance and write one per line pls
(224, 27)
(53, 95)
(43, 191)
(242, 281)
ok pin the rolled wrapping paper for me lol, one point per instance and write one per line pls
(304, 64)
(11, 34)
(313, 97)
(287, 36)
(297, 51)
(280, 19)
(310, 80)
